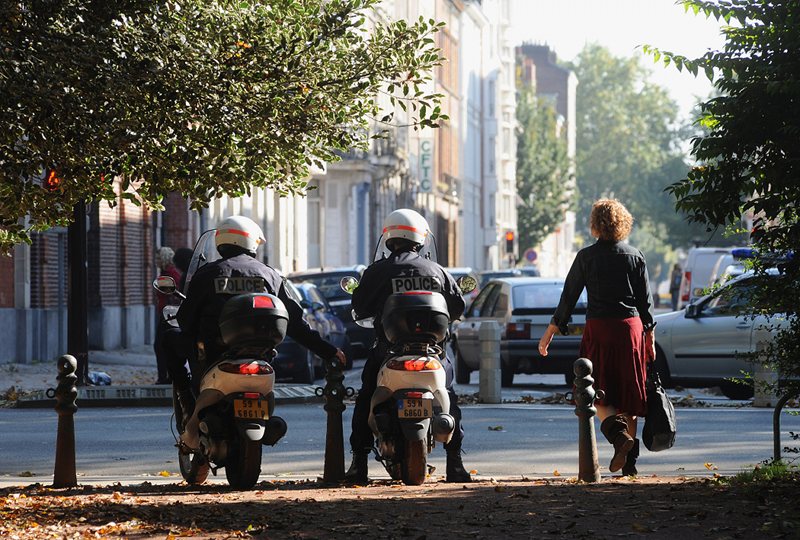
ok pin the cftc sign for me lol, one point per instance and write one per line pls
(426, 165)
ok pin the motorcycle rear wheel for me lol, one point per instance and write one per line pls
(414, 467)
(243, 464)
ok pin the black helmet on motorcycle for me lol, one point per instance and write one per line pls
(238, 232)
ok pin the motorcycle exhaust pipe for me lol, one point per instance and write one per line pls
(442, 427)
(274, 430)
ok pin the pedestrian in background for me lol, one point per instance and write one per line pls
(675, 279)
(166, 267)
(618, 337)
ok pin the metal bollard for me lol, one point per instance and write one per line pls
(585, 395)
(490, 378)
(334, 392)
(65, 394)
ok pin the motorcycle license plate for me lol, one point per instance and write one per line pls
(250, 408)
(415, 408)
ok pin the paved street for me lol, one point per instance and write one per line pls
(509, 440)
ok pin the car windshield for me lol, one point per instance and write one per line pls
(544, 296)
(488, 276)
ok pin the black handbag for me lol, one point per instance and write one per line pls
(660, 424)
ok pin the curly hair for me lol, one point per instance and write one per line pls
(610, 220)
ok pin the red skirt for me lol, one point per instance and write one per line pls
(617, 351)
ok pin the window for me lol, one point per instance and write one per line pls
(475, 308)
(488, 307)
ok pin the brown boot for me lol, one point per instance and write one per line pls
(615, 428)
(629, 469)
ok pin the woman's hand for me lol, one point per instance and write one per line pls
(546, 338)
(650, 345)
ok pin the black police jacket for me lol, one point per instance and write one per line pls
(617, 286)
(213, 284)
(399, 272)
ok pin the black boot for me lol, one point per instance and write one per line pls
(615, 428)
(629, 469)
(357, 473)
(455, 468)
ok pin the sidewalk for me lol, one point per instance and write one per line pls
(132, 373)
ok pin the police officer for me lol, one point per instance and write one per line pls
(238, 272)
(404, 232)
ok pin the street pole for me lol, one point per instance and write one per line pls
(334, 392)
(77, 310)
(585, 395)
(490, 367)
(64, 470)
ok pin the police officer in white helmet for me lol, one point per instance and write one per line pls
(237, 272)
(405, 232)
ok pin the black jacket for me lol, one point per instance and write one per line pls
(617, 286)
(396, 273)
(213, 284)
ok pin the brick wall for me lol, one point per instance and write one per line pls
(6, 281)
(121, 261)
(45, 268)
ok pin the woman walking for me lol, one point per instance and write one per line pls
(618, 337)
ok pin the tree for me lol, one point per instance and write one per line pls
(629, 147)
(748, 160)
(194, 96)
(544, 183)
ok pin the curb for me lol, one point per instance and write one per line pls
(151, 396)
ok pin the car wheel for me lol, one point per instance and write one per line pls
(663, 368)
(462, 370)
(506, 376)
(738, 389)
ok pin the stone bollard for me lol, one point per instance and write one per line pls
(490, 377)
(585, 395)
(65, 394)
(334, 392)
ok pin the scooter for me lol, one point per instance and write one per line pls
(233, 415)
(409, 408)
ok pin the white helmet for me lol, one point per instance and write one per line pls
(405, 223)
(239, 231)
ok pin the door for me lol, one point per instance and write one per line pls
(708, 346)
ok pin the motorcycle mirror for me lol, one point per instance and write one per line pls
(467, 284)
(348, 284)
(165, 285)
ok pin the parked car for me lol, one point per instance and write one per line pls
(333, 328)
(704, 344)
(697, 272)
(523, 306)
(327, 280)
(293, 361)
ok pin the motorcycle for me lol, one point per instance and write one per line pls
(409, 408)
(233, 415)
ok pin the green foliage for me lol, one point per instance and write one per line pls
(200, 97)
(544, 179)
(748, 160)
(767, 472)
(628, 147)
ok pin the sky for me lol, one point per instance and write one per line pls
(622, 26)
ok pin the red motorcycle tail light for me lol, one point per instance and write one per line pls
(417, 364)
(414, 395)
(256, 367)
(263, 302)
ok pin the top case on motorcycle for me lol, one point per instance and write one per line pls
(258, 319)
(415, 316)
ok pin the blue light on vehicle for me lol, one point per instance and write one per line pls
(744, 253)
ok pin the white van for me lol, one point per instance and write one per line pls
(697, 272)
